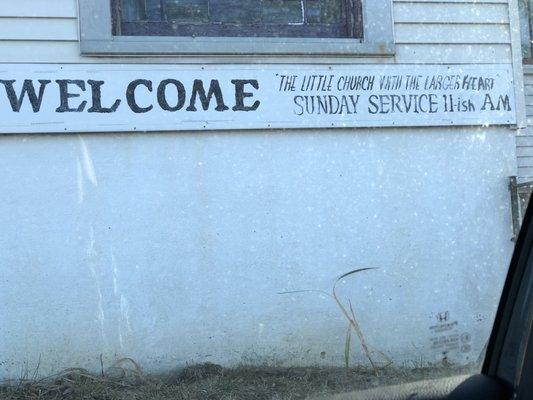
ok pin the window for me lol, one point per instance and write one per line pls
(255, 18)
(231, 27)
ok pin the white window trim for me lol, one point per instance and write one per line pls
(96, 38)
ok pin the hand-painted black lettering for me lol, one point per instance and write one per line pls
(297, 99)
(162, 97)
(199, 90)
(373, 108)
(240, 94)
(27, 89)
(96, 89)
(130, 95)
(65, 95)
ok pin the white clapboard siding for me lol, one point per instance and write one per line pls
(453, 53)
(525, 161)
(524, 142)
(427, 31)
(526, 174)
(525, 151)
(39, 8)
(528, 80)
(453, 13)
(529, 98)
(453, 33)
(42, 29)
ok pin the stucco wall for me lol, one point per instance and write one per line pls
(174, 248)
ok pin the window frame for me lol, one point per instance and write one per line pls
(525, 30)
(96, 38)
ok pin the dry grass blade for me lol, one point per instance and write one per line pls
(351, 318)
(385, 357)
(347, 347)
(102, 365)
(306, 291)
(359, 332)
(136, 366)
(77, 371)
(125, 371)
(347, 274)
(71, 378)
(243, 382)
(36, 370)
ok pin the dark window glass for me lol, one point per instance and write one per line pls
(235, 11)
(283, 11)
(133, 10)
(319, 11)
(191, 11)
(270, 18)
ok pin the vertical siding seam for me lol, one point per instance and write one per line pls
(518, 73)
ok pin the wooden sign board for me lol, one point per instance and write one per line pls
(136, 97)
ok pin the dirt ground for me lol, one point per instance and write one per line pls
(209, 381)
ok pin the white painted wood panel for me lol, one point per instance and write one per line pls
(528, 89)
(39, 8)
(529, 100)
(39, 29)
(525, 161)
(268, 97)
(451, 13)
(528, 80)
(526, 173)
(454, 53)
(452, 33)
(524, 142)
(527, 131)
(526, 151)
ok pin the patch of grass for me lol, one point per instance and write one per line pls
(349, 314)
(210, 381)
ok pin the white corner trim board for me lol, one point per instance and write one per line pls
(120, 98)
